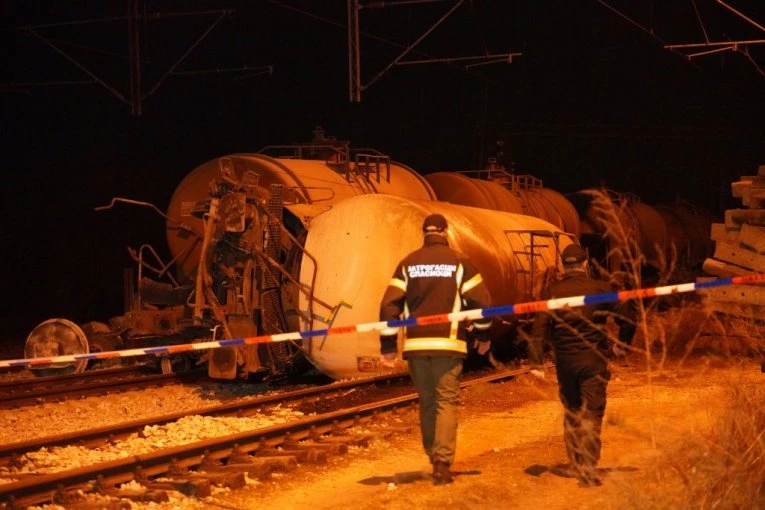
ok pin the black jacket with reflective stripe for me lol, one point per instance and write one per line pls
(433, 280)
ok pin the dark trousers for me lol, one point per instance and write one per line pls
(582, 382)
(437, 381)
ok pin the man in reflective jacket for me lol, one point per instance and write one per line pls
(582, 349)
(434, 280)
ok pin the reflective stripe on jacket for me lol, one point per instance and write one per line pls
(433, 280)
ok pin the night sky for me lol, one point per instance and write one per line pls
(595, 99)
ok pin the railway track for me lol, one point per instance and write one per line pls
(40, 390)
(193, 468)
(96, 437)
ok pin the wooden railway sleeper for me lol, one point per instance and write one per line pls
(300, 456)
(255, 467)
(198, 487)
(137, 494)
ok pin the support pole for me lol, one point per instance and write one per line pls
(136, 101)
(354, 57)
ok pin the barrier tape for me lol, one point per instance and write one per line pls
(478, 313)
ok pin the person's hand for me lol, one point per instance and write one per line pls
(538, 373)
(482, 347)
(389, 360)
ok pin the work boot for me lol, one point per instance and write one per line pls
(564, 470)
(589, 481)
(588, 477)
(441, 473)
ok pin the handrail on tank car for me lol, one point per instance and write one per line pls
(298, 284)
(289, 172)
(527, 181)
(344, 168)
(369, 161)
(339, 155)
(138, 257)
(357, 177)
(540, 233)
(503, 177)
(142, 263)
(479, 173)
(323, 188)
(163, 271)
(298, 148)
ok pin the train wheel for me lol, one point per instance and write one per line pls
(57, 337)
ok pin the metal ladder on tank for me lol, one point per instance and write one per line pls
(528, 258)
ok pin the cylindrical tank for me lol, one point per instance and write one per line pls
(653, 233)
(606, 228)
(460, 189)
(568, 215)
(630, 226)
(538, 201)
(312, 186)
(359, 241)
(687, 233)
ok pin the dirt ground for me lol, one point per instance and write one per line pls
(510, 434)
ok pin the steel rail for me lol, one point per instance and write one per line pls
(17, 385)
(42, 488)
(23, 393)
(99, 435)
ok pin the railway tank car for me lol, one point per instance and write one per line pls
(360, 252)
(300, 237)
(497, 189)
(295, 271)
(618, 229)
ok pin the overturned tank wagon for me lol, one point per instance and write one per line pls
(301, 237)
(359, 242)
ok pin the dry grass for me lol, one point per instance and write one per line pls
(722, 469)
(692, 330)
(669, 326)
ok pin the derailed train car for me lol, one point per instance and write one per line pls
(305, 236)
(296, 238)
(513, 251)
(311, 243)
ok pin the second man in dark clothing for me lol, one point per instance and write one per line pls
(581, 348)
(434, 280)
